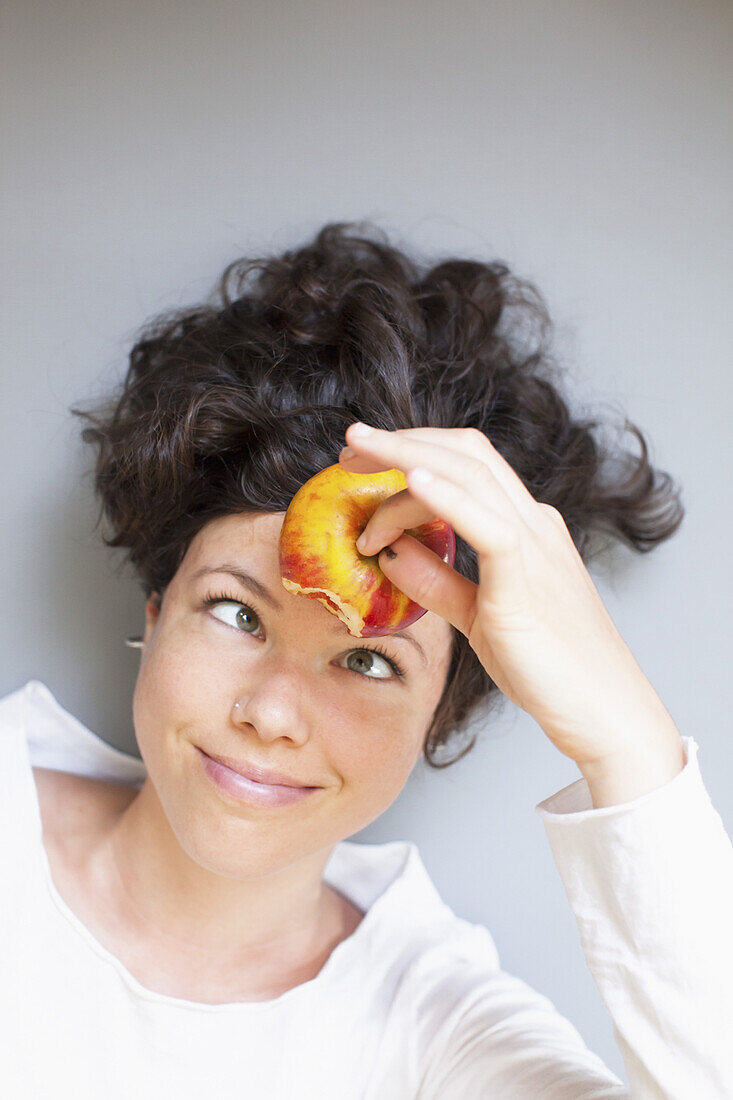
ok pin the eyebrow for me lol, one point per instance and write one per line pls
(264, 593)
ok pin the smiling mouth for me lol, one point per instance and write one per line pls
(256, 774)
(249, 791)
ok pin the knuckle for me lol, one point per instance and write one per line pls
(479, 470)
(476, 436)
(553, 514)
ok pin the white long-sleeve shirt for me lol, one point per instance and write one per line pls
(414, 1004)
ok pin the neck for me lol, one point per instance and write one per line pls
(230, 910)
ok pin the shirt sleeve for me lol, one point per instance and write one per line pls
(650, 883)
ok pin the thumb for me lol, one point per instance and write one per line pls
(429, 581)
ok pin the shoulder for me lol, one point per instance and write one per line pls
(76, 803)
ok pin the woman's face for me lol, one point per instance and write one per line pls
(312, 704)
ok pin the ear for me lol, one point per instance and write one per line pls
(152, 611)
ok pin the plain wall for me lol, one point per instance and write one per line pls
(586, 144)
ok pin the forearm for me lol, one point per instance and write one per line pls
(650, 882)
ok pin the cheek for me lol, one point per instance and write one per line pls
(162, 699)
(375, 753)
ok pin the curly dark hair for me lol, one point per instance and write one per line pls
(231, 405)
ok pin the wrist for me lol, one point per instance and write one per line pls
(646, 761)
(649, 763)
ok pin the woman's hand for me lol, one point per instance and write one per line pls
(535, 620)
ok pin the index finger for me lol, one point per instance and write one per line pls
(397, 514)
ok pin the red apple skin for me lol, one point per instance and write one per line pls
(319, 559)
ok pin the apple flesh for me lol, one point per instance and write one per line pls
(319, 558)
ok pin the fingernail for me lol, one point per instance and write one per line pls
(360, 429)
(361, 542)
(346, 452)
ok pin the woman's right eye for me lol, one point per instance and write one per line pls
(239, 615)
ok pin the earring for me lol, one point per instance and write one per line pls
(135, 643)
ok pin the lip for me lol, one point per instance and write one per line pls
(250, 791)
(257, 775)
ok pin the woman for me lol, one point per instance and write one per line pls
(177, 927)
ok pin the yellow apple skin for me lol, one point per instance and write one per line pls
(319, 558)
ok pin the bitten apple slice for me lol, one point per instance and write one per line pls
(319, 558)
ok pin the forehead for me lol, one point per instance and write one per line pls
(251, 540)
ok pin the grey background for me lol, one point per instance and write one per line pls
(587, 144)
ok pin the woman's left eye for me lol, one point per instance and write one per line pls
(245, 611)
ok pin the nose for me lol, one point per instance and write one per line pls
(272, 705)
